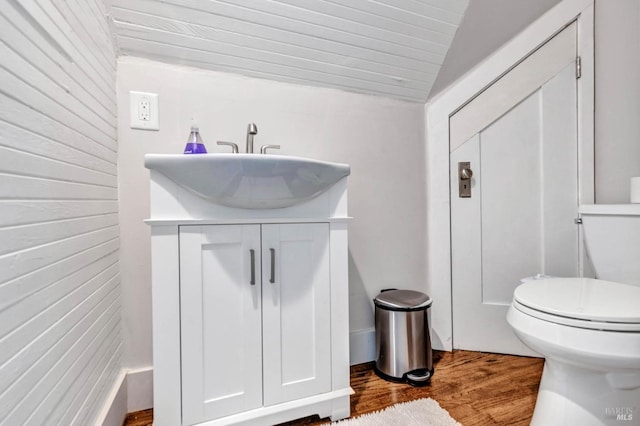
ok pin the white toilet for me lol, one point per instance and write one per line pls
(588, 329)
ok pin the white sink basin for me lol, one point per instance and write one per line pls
(249, 181)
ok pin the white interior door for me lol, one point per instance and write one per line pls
(520, 137)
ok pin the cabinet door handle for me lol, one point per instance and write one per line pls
(272, 279)
(252, 252)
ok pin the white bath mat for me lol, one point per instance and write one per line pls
(421, 412)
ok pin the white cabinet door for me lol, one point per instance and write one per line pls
(296, 311)
(220, 321)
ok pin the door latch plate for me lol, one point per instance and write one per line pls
(464, 179)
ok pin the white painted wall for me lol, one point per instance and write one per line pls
(59, 277)
(617, 126)
(381, 139)
(485, 27)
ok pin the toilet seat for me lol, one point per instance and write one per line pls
(581, 302)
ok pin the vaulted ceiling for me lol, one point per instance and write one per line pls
(391, 48)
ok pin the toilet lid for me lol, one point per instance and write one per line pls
(584, 299)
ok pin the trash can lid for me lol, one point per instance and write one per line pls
(402, 300)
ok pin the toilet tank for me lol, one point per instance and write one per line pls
(612, 241)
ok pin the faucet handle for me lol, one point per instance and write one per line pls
(264, 148)
(234, 147)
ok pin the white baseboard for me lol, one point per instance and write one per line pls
(115, 407)
(362, 346)
(139, 389)
(133, 391)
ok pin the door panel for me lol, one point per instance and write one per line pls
(296, 309)
(520, 219)
(560, 175)
(520, 82)
(220, 321)
(511, 186)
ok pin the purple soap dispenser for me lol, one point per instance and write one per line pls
(194, 143)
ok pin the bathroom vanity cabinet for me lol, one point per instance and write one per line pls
(250, 309)
(253, 296)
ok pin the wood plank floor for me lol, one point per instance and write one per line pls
(476, 388)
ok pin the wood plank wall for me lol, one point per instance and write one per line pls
(59, 275)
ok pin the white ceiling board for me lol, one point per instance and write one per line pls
(243, 57)
(378, 27)
(187, 55)
(437, 20)
(450, 13)
(226, 29)
(390, 48)
(277, 44)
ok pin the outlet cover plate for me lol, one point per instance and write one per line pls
(143, 108)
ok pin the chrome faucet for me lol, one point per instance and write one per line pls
(252, 130)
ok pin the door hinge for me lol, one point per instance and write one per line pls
(577, 221)
(578, 67)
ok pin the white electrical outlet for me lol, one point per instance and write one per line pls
(144, 111)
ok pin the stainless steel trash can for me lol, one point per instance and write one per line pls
(403, 338)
